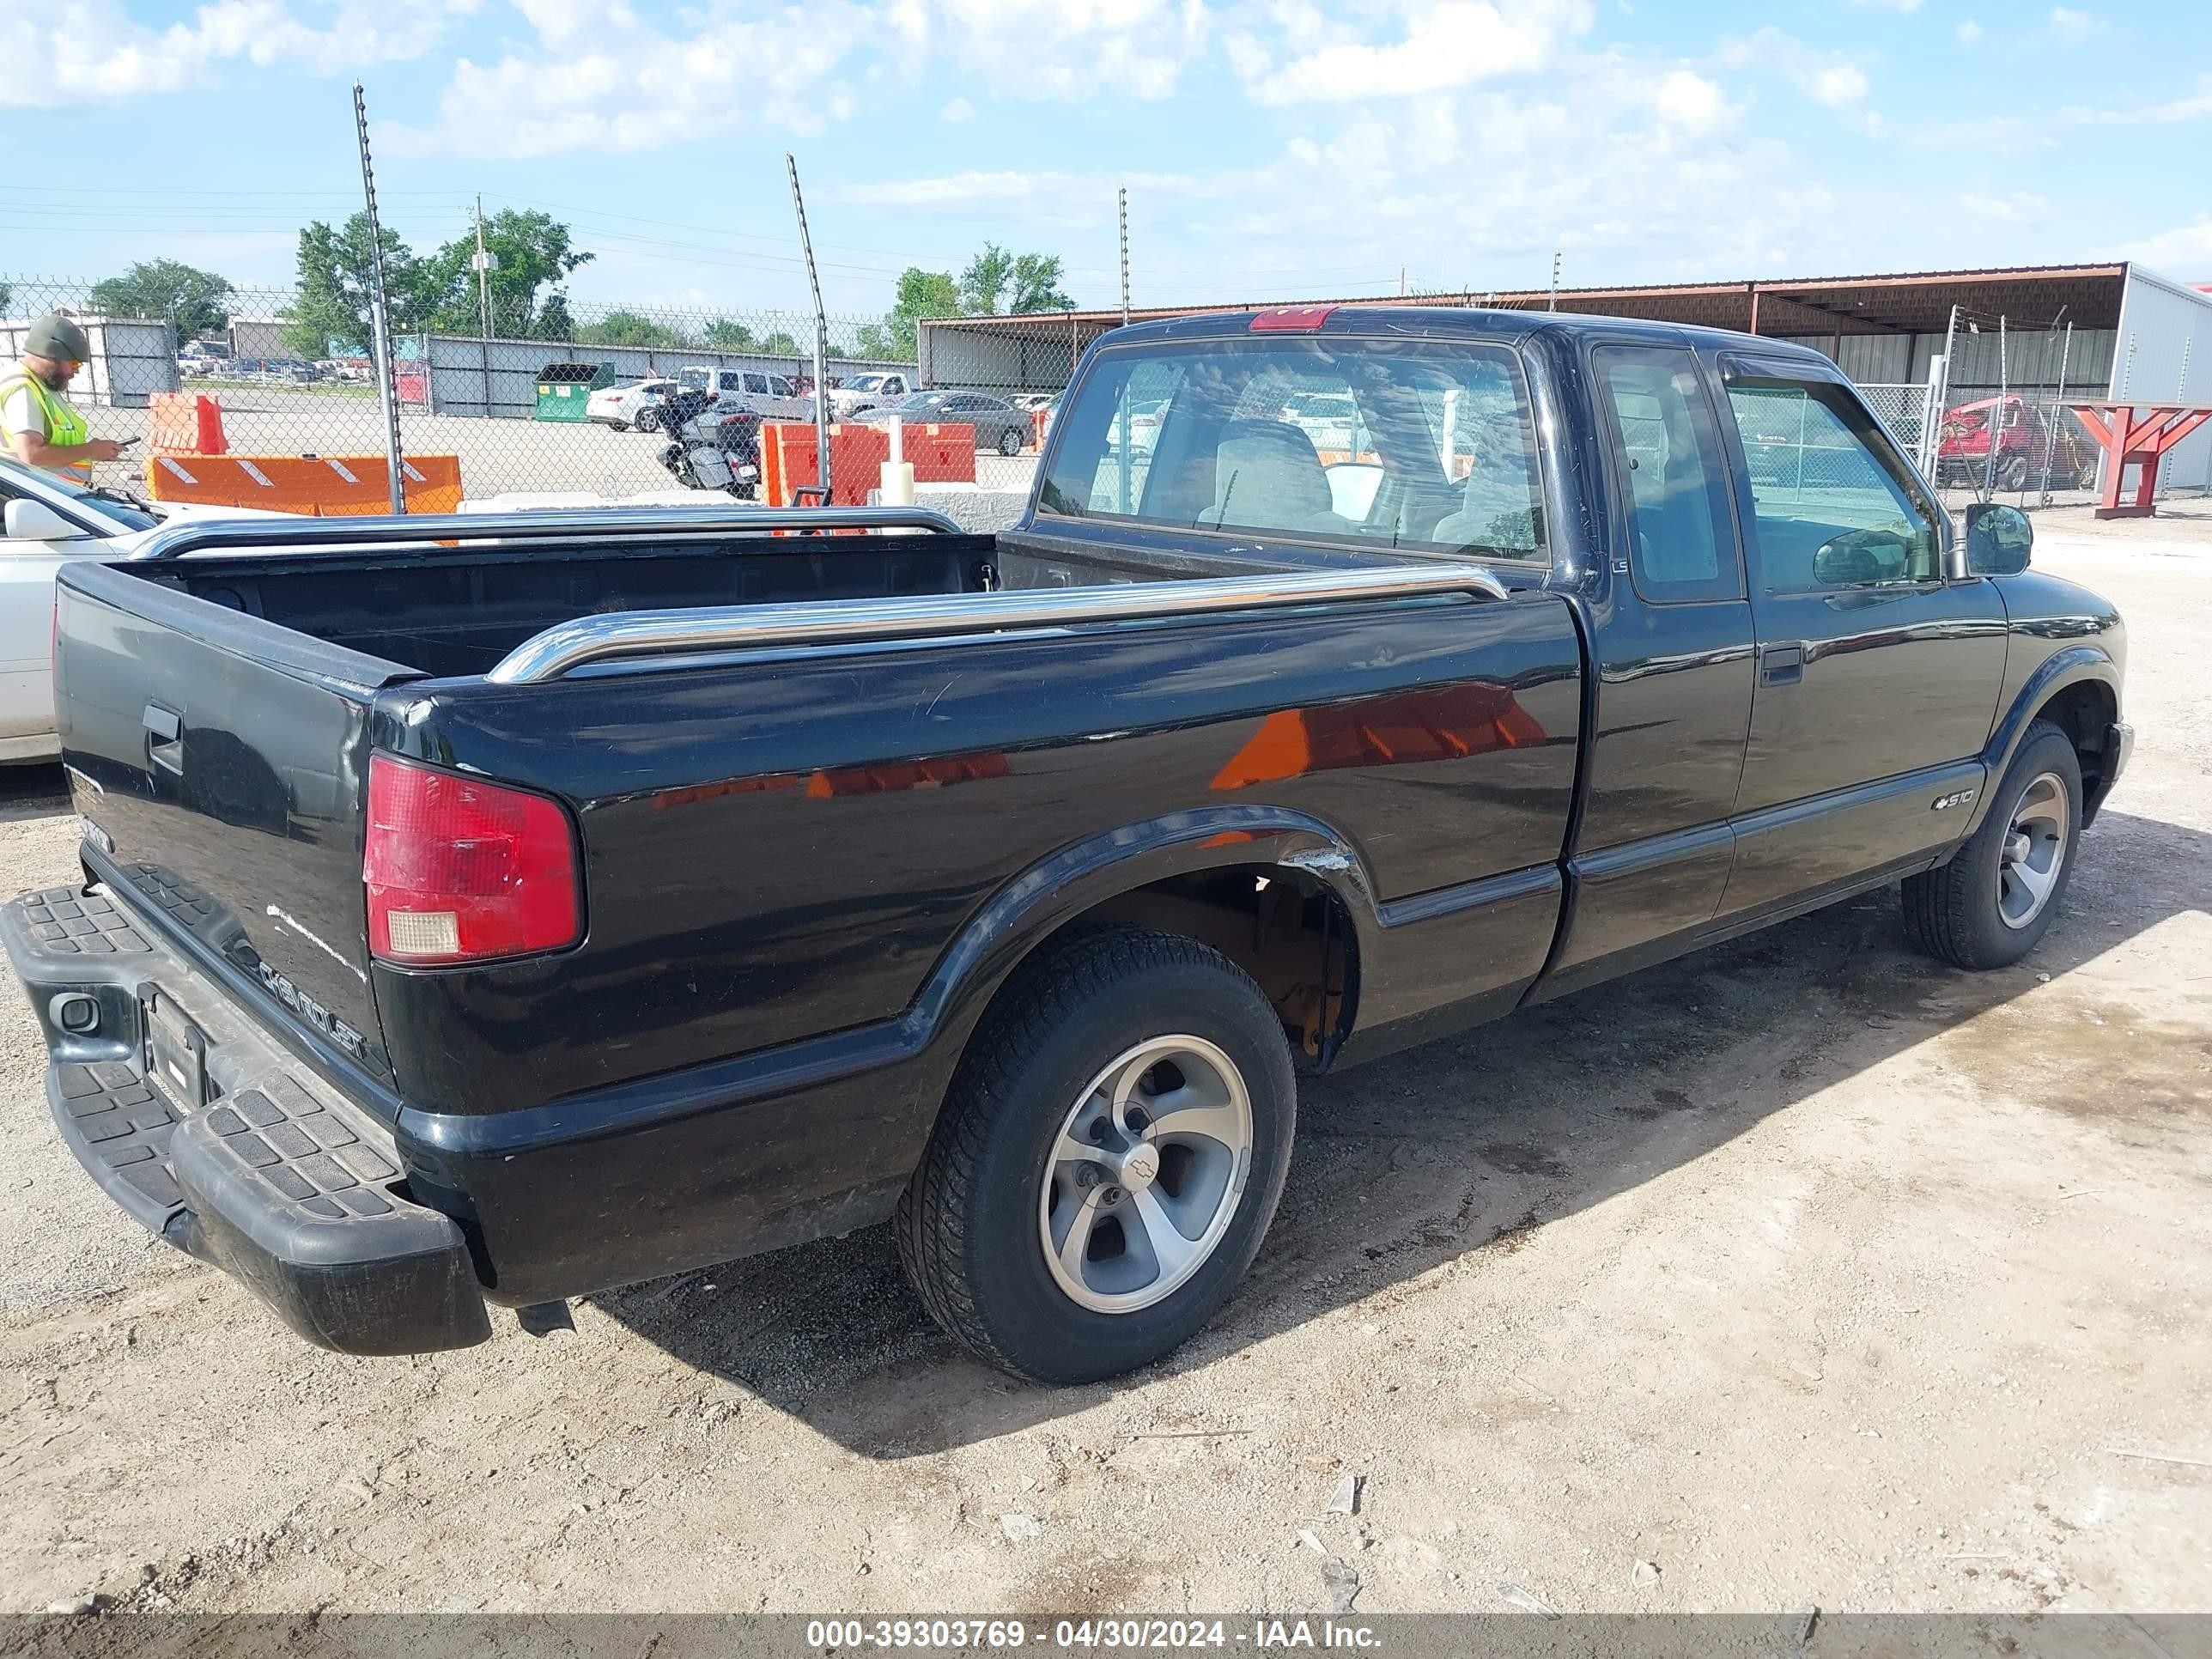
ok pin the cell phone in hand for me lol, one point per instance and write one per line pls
(124, 443)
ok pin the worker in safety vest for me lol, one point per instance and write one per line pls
(43, 428)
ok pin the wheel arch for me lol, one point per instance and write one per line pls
(1208, 874)
(2077, 688)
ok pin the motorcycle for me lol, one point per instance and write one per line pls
(713, 450)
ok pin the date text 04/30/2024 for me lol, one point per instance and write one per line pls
(1088, 1635)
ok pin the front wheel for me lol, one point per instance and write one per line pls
(1993, 902)
(2013, 475)
(648, 419)
(1010, 442)
(1108, 1159)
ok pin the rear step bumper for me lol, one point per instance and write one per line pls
(215, 1139)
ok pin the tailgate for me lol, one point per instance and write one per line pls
(221, 761)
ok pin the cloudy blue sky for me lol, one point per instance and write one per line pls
(1272, 148)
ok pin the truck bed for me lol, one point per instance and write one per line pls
(457, 610)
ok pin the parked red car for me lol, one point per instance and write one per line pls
(2025, 432)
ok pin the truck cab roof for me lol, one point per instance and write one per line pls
(1440, 322)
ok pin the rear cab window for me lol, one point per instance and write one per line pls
(1424, 447)
(1681, 540)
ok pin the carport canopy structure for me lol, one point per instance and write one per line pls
(1038, 352)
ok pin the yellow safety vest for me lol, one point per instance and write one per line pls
(64, 424)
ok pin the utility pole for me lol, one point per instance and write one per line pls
(388, 392)
(1124, 256)
(1552, 304)
(483, 264)
(820, 338)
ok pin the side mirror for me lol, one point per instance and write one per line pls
(1998, 539)
(34, 521)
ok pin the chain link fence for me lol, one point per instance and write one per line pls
(583, 417)
(2002, 430)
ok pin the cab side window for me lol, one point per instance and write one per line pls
(1682, 538)
(1833, 504)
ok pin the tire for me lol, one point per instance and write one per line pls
(648, 419)
(2013, 475)
(1969, 912)
(619, 426)
(1010, 442)
(973, 1224)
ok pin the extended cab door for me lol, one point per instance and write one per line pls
(1877, 676)
(1672, 637)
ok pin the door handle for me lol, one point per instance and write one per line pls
(1781, 664)
(165, 741)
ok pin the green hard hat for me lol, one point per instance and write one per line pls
(56, 335)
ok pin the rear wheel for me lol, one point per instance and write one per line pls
(1109, 1157)
(2013, 473)
(1993, 902)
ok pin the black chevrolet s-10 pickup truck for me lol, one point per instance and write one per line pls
(504, 908)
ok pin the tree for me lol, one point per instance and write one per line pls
(553, 322)
(330, 313)
(984, 283)
(193, 300)
(724, 334)
(535, 258)
(920, 293)
(630, 328)
(1036, 284)
(780, 344)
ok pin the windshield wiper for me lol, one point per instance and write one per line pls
(121, 498)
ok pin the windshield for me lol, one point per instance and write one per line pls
(115, 513)
(695, 379)
(865, 383)
(1423, 446)
(917, 400)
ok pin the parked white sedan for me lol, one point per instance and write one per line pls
(623, 407)
(50, 521)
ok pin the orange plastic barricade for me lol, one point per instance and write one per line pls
(318, 486)
(857, 454)
(187, 423)
(941, 452)
(1036, 428)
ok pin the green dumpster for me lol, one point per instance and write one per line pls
(563, 389)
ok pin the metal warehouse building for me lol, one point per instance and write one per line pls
(2048, 333)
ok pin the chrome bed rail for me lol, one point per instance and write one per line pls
(176, 540)
(625, 634)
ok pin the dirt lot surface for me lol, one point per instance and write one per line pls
(1804, 1271)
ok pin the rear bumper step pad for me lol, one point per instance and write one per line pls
(277, 1178)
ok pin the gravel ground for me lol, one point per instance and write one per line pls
(1801, 1272)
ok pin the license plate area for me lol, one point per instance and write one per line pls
(175, 1049)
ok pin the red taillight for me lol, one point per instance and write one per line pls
(459, 870)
